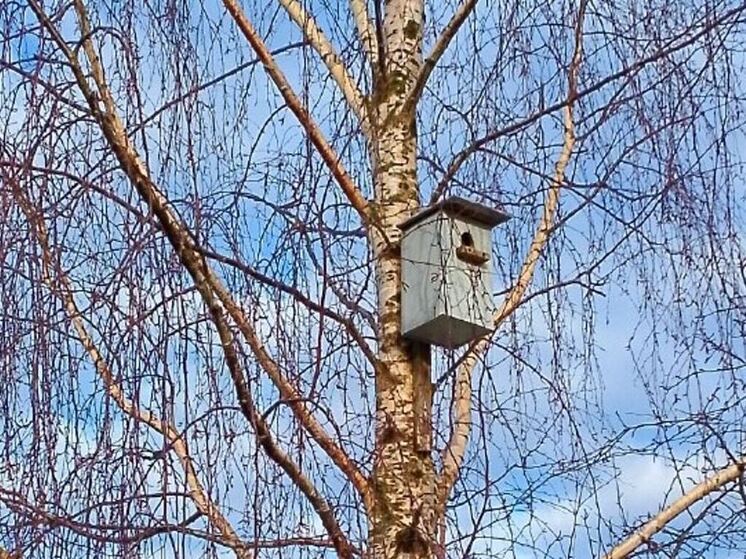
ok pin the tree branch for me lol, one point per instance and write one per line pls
(327, 153)
(48, 87)
(461, 408)
(61, 286)
(323, 47)
(296, 294)
(674, 45)
(656, 524)
(205, 280)
(213, 81)
(449, 32)
(303, 299)
(263, 433)
(365, 31)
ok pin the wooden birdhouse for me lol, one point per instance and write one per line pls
(446, 252)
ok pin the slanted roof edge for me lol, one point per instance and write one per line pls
(456, 206)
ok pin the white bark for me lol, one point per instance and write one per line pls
(365, 31)
(657, 523)
(404, 521)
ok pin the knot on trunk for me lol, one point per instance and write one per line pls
(411, 540)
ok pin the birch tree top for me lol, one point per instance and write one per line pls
(200, 277)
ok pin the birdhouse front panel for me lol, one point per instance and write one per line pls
(446, 277)
(467, 286)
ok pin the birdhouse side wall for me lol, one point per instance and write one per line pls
(423, 253)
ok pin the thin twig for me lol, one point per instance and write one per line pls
(461, 408)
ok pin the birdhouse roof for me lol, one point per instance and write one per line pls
(460, 208)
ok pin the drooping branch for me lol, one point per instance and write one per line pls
(208, 284)
(676, 44)
(330, 157)
(303, 299)
(321, 44)
(365, 30)
(214, 81)
(461, 407)
(127, 534)
(295, 293)
(259, 423)
(48, 87)
(38, 513)
(723, 477)
(441, 44)
(60, 284)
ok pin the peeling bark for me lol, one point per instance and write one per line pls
(404, 520)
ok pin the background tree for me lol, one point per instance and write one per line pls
(201, 278)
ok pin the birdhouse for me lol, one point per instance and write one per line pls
(446, 252)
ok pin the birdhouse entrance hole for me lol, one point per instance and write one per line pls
(468, 253)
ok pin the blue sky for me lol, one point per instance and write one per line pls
(624, 374)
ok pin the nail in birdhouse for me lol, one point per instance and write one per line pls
(446, 252)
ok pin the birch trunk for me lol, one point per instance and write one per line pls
(404, 521)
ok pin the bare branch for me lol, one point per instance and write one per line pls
(327, 153)
(180, 238)
(461, 407)
(656, 524)
(674, 45)
(300, 297)
(201, 239)
(216, 80)
(318, 40)
(447, 35)
(46, 85)
(263, 433)
(254, 273)
(59, 283)
(365, 31)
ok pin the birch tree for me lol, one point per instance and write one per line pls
(201, 277)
